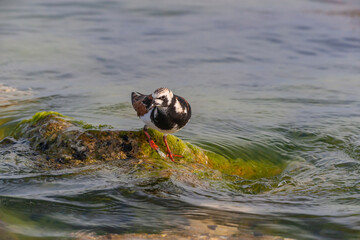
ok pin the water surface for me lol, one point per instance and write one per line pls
(269, 81)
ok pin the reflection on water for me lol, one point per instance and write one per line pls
(269, 82)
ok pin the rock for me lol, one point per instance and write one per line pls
(64, 142)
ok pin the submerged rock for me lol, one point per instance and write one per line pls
(195, 230)
(64, 142)
(172, 236)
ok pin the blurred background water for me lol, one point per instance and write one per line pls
(273, 81)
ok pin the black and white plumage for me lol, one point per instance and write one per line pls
(163, 111)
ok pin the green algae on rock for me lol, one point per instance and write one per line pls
(64, 142)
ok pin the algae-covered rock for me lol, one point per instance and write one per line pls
(64, 142)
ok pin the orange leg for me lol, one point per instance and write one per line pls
(170, 155)
(151, 142)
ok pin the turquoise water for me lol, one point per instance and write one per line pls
(272, 81)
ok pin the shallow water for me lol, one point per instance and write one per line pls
(268, 81)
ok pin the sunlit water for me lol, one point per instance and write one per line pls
(271, 81)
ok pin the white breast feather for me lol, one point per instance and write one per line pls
(147, 120)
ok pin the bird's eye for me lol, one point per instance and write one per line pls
(162, 97)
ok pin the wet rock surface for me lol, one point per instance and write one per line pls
(62, 142)
(196, 230)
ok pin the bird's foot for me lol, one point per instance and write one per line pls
(153, 145)
(169, 153)
(151, 142)
(171, 156)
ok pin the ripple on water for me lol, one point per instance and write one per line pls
(276, 84)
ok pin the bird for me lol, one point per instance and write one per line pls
(163, 111)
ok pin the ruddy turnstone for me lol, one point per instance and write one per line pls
(163, 111)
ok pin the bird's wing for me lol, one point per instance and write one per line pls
(141, 103)
(184, 104)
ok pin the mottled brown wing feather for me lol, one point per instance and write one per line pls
(137, 100)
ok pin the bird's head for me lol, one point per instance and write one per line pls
(162, 97)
